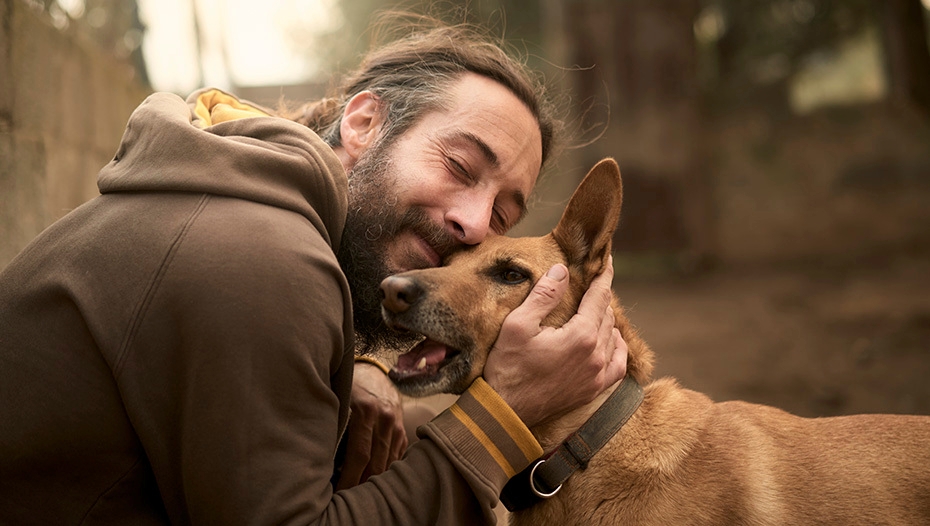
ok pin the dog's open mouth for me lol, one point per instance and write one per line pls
(422, 362)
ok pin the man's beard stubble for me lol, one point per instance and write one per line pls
(372, 222)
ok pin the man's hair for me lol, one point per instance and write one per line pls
(411, 76)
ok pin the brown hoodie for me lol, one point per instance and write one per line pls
(179, 349)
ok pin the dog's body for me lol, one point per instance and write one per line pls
(681, 458)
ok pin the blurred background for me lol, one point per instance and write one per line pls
(775, 239)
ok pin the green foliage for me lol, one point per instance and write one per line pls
(766, 42)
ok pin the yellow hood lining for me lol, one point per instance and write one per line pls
(214, 106)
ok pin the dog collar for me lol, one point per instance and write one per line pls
(544, 477)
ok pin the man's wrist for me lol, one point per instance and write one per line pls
(483, 437)
(368, 359)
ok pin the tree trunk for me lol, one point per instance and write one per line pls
(907, 55)
(638, 59)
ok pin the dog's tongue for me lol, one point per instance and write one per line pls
(424, 359)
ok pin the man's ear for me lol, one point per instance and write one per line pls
(361, 124)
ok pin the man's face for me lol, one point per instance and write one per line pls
(455, 176)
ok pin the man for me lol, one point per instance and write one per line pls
(180, 349)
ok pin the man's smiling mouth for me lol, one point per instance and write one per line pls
(432, 254)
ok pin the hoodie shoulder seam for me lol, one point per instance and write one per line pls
(152, 287)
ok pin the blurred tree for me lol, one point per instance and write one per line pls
(636, 86)
(644, 50)
(907, 56)
(762, 45)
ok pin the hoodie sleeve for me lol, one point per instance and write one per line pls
(484, 437)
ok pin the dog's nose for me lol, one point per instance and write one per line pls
(399, 293)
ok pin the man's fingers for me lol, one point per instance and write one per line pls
(400, 442)
(390, 442)
(544, 297)
(375, 427)
(597, 298)
(357, 457)
(605, 333)
(616, 369)
(399, 445)
(380, 455)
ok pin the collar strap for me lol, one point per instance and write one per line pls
(544, 477)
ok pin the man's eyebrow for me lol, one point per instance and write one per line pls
(518, 196)
(482, 146)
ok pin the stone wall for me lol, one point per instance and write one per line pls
(63, 106)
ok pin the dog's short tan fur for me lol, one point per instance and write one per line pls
(681, 459)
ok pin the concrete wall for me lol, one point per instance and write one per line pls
(63, 106)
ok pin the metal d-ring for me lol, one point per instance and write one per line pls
(533, 487)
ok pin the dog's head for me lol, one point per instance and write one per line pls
(459, 308)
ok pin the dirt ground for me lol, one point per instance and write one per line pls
(813, 340)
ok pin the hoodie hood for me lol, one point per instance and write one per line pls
(214, 143)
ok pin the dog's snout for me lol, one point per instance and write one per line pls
(399, 293)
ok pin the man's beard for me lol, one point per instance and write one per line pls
(372, 222)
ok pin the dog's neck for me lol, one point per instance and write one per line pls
(554, 431)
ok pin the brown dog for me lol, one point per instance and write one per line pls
(681, 458)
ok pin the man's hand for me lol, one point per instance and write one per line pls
(542, 372)
(375, 436)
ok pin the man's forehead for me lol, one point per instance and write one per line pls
(496, 119)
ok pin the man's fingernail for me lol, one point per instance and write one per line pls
(558, 272)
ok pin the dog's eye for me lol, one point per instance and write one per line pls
(511, 276)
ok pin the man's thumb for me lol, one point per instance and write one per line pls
(548, 291)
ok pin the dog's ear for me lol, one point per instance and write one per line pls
(587, 226)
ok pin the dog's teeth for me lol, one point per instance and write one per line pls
(422, 363)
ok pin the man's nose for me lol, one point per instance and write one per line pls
(470, 220)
